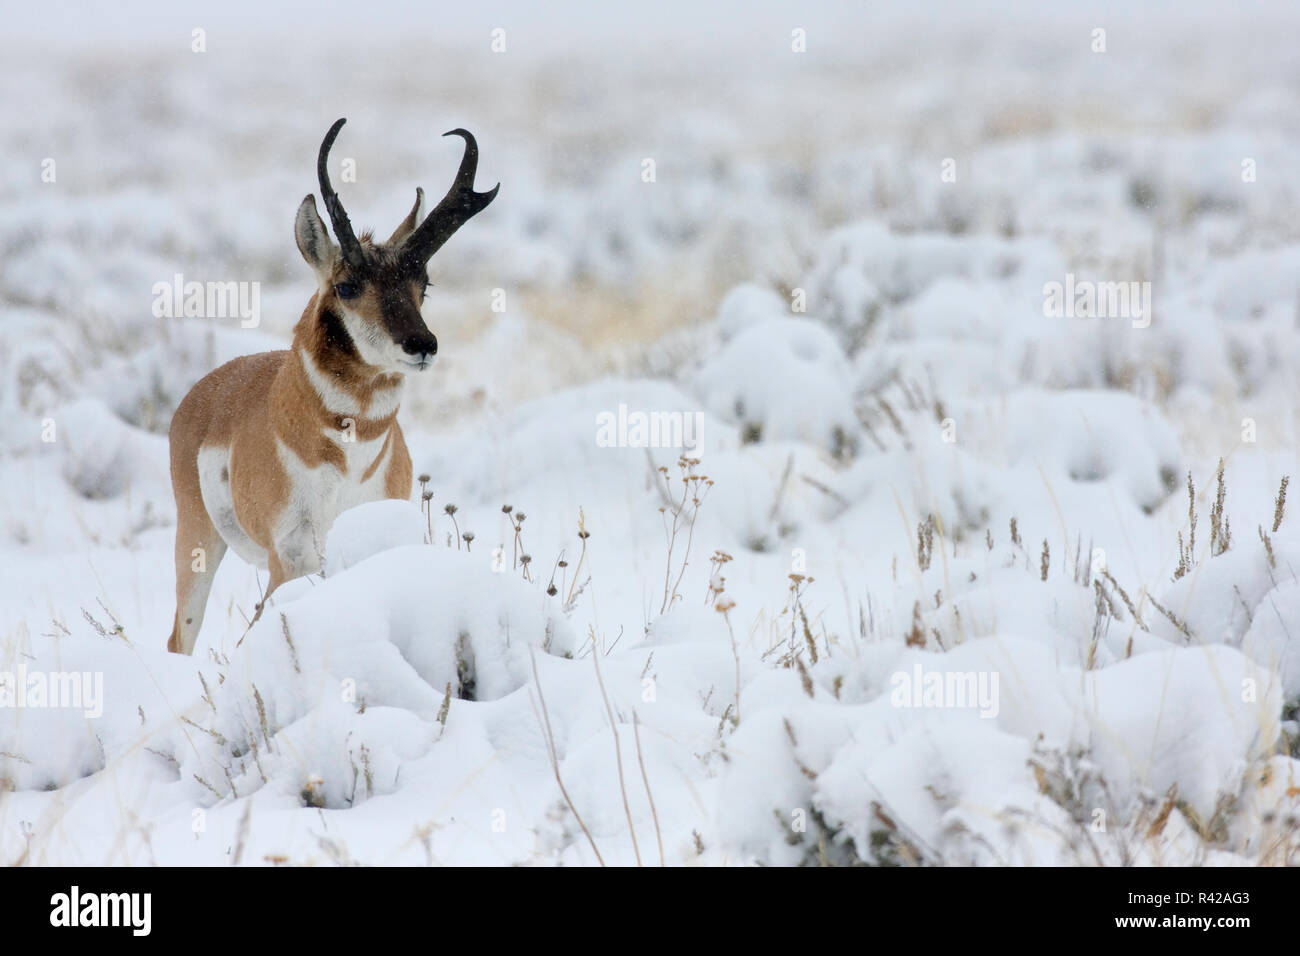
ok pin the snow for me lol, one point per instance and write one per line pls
(953, 614)
(750, 378)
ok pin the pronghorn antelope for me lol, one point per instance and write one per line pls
(269, 449)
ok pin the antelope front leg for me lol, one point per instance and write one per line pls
(277, 578)
(295, 555)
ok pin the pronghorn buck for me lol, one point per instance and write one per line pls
(269, 449)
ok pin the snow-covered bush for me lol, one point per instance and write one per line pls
(782, 379)
(942, 576)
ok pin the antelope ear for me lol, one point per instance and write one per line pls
(410, 222)
(313, 241)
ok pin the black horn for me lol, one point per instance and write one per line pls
(338, 216)
(459, 205)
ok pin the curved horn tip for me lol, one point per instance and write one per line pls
(338, 215)
(334, 130)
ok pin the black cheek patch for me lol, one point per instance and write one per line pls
(336, 334)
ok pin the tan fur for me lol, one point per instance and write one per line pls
(245, 405)
(269, 449)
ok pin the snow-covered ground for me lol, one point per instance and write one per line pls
(924, 590)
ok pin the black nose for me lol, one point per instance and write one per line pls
(420, 343)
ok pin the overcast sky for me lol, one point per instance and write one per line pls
(553, 25)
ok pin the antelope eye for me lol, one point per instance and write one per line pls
(347, 290)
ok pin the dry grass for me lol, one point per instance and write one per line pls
(549, 734)
(680, 510)
(610, 319)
